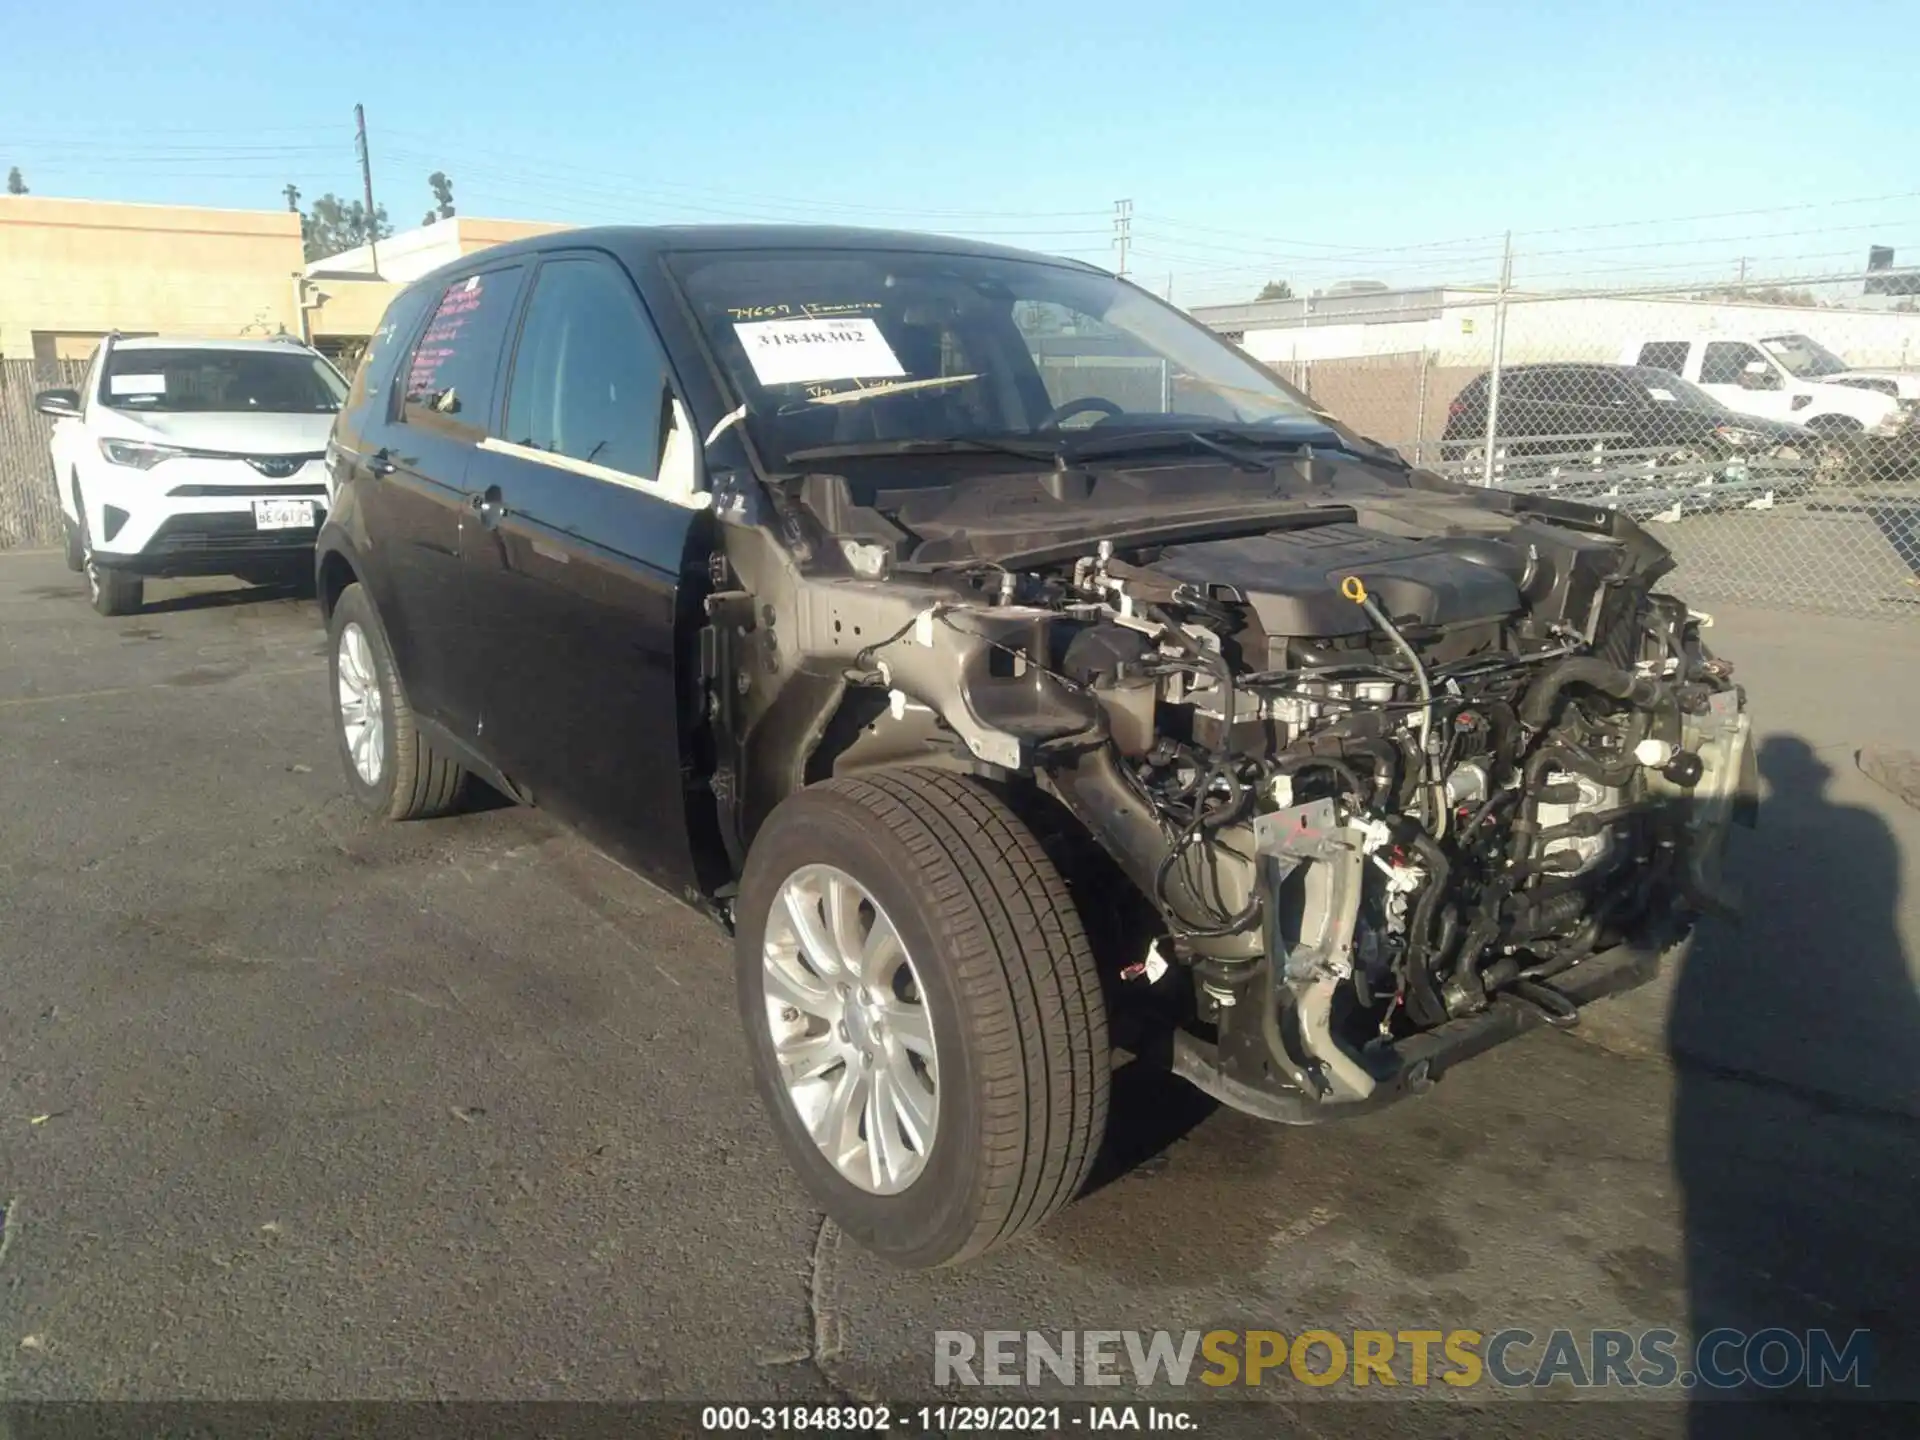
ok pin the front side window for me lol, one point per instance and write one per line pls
(1804, 357)
(450, 375)
(1725, 360)
(834, 347)
(205, 380)
(589, 377)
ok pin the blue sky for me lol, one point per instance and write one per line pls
(1315, 143)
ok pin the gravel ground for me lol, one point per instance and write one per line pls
(300, 1106)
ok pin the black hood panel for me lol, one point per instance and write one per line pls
(1291, 579)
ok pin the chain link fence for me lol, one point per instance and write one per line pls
(1775, 448)
(29, 507)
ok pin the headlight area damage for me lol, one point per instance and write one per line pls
(1396, 776)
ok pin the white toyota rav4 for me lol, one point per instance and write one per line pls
(193, 457)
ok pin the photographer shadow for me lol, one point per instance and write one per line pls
(1796, 1113)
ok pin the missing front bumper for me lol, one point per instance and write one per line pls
(1240, 1076)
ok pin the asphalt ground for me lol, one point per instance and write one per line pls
(294, 1105)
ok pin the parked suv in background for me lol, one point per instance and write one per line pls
(1777, 377)
(192, 457)
(1647, 433)
(1578, 408)
(1009, 707)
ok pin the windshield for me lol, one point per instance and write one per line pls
(263, 382)
(1803, 357)
(876, 347)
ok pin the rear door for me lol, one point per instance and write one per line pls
(415, 484)
(588, 504)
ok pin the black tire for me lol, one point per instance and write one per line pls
(1013, 997)
(413, 781)
(112, 592)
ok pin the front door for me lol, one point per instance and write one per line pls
(417, 495)
(589, 519)
(1742, 378)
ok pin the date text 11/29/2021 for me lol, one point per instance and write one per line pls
(943, 1419)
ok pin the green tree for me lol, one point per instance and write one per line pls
(334, 225)
(15, 184)
(1275, 290)
(442, 189)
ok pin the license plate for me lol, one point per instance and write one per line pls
(283, 514)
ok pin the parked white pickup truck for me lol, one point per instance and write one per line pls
(1784, 375)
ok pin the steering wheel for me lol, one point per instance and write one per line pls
(1085, 405)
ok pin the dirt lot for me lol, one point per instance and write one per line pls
(300, 1106)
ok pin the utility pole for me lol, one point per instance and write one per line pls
(292, 192)
(366, 180)
(1743, 273)
(1122, 229)
(1499, 357)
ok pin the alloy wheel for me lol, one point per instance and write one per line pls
(851, 1031)
(361, 705)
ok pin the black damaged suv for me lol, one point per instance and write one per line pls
(1018, 671)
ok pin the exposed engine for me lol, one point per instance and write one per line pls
(1390, 764)
(1391, 778)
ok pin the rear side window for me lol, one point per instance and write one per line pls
(589, 378)
(1668, 355)
(373, 377)
(1723, 361)
(450, 375)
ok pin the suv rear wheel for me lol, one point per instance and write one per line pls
(395, 773)
(926, 1023)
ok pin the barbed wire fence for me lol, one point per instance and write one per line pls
(1767, 433)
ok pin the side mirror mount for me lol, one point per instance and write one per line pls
(58, 403)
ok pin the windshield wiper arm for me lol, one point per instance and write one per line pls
(1148, 440)
(932, 445)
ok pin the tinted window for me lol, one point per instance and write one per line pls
(290, 382)
(450, 375)
(589, 379)
(1519, 385)
(1669, 355)
(381, 359)
(1610, 387)
(1724, 360)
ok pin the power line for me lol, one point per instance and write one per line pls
(547, 168)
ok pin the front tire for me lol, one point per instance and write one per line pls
(393, 771)
(925, 1019)
(112, 592)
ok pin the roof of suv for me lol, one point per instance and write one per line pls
(205, 342)
(646, 241)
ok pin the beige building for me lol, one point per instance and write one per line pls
(72, 270)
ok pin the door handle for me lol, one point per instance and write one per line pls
(488, 505)
(380, 464)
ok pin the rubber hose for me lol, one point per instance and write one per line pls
(1544, 693)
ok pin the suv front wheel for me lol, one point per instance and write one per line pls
(926, 1022)
(395, 773)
